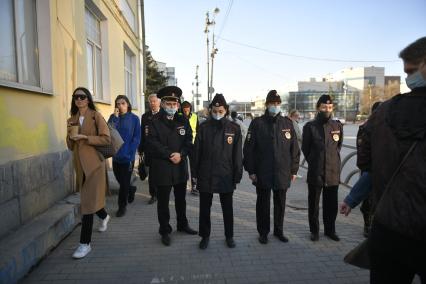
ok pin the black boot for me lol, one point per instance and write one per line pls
(165, 239)
(204, 243)
(230, 242)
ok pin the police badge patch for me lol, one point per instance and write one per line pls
(336, 137)
(182, 131)
(287, 135)
(229, 140)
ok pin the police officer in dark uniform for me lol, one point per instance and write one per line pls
(146, 120)
(169, 141)
(217, 167)
(321, 144)
(271, 157)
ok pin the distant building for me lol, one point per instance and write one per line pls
(169, 72)
(242, 108)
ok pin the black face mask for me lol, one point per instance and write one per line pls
(324, 116)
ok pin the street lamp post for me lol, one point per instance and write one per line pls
(345, 89)
(369, 100)
(214, 50)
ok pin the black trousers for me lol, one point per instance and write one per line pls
(263, 205)
(395, 258)
(152, 187)
(123, 174)
(163, 197)
(227, 211)
(329, 208)
(87, 226)
(365, 210)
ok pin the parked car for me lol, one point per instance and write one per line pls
(342, 120)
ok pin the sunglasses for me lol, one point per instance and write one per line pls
(79, 97)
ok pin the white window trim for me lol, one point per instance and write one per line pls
(106, 93)
(44, 40)
(134, 97)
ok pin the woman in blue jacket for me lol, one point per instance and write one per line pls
(128, 125)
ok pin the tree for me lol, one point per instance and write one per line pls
(155, 79)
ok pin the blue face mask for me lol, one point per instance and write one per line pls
(274, 110)
(217, 116)
(415, 80)
(170, 111)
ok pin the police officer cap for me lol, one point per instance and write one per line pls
(171, 93)
(218, 101)
(186, 104)
(273, 97)
(324, 99)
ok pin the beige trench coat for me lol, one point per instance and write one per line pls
(90, 166)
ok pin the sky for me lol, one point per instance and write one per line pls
(263, 45)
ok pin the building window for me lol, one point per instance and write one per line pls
(19, 60)
(94, 54)
(130, 75)
(128, 14)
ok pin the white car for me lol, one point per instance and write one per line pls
(342, 120)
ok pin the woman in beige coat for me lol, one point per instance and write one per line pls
(87, 129)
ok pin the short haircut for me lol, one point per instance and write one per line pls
(293, 112)
(415, 52)
(152, 96)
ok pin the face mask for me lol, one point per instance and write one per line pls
(324, 115)
(217, 116)
(170, 111)
(415, 80)
(274, 110)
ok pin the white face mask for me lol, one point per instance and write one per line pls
(217, 116)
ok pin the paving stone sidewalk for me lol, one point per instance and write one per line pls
(131, 251)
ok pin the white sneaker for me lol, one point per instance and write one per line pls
(104, 224)
(82, 251)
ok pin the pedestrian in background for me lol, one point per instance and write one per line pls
(321, 144)
(294, 115)
(271, 157)
(393, 149)
(193, 122)
(218, 168)
(146, 120)
(128, 125)
(169, 141)
(87, 129)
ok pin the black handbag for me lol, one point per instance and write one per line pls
(359, 255)
(142, 169)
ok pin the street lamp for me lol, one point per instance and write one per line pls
(210, 23)
(369, 101)
(345, 89)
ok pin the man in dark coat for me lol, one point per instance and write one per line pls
(271, 157)
(146, 120)
(169, 141)
(321, 144)
(397, 239)
(217, 167)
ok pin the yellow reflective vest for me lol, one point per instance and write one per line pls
(193, 121)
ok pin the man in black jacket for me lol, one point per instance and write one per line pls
(146, 120)
(217, 167)
(169, 141)
(271, 157)
(397, 239)
(321, 144)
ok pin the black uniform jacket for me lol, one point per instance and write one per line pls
(165, 137)
(387, 136)
(146, 121)
(271, 151)
(218, 164)
(321, 146)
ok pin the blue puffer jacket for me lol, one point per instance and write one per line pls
(128, 125)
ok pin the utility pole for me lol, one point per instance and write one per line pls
(345, 89)
(197, 96)
(214, 52)
(206, 31)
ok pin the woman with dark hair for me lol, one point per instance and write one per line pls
(87, 129)
(128, 125)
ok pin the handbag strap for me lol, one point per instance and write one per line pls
(397, 170)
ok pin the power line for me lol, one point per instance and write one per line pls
(303, 56)
(228, 11)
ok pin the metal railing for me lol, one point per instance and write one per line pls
(345, 160)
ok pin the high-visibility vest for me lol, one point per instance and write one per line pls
(193, 119)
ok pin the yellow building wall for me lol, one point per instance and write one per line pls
(34, 123)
